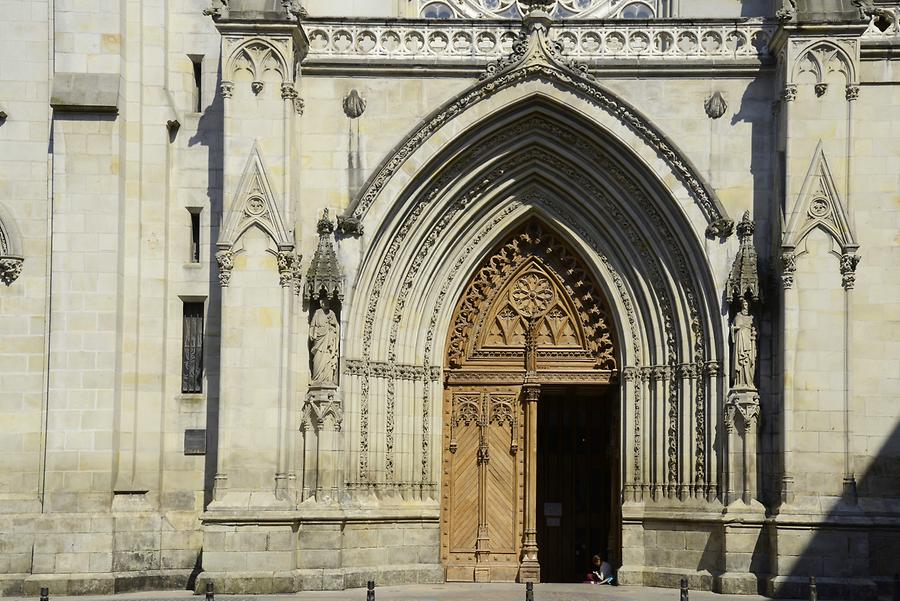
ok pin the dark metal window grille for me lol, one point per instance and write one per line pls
(192, 349)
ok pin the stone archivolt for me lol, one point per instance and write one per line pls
(516, 167)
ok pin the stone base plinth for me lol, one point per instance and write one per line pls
(292, 581)
(797, 587)
(105, 584)
(737, 583)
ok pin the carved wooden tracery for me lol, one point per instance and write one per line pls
(533, 278)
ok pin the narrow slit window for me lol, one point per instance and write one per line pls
(197, 62)
(192, 349)
(195, 236)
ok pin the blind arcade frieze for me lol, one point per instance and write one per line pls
(462, 43)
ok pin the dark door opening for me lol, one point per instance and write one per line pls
(577, 480)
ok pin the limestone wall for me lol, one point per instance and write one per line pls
(96, 491)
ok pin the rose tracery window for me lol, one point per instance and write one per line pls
(514, 9)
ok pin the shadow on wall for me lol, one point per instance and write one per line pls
(855, 553)
(209, 134)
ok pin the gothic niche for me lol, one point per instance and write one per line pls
(323, 293)
(742, 408)
(534, 286)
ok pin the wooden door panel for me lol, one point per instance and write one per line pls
(483, 467)
(502, 488)
(464, 491)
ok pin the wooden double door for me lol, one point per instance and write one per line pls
(485, 488)
(532, 319)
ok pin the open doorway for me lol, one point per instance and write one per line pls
(578, 510)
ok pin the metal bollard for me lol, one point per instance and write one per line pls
(896, 587)
(45, 594)
(210, 592)
(529, 591)
(684, 590)
(813, 591)
(370, 591)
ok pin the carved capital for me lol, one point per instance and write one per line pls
(630, 374)
(788, 268)
(852, 93)
(227, 88)
(225, 261)
(820, 89)
(288, 91)
(849, 261)
(10, 269)
(286, 268)
(790, 92)
(531, 393)
(257, 87)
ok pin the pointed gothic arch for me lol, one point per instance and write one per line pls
(536, 139)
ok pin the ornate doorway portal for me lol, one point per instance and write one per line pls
(531, 320)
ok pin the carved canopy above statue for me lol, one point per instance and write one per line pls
(533, 280)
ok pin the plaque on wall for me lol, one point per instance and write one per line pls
(195, 442)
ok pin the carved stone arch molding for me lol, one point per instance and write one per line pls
(681, 385)
(581, 164)
(535, 59)
(12, 256)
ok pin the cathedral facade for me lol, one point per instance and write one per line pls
(299, 295)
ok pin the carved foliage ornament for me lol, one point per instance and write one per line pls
(11, 259)
(532, 280)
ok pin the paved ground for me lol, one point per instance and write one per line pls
(449, 592)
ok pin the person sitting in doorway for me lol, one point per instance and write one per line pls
(602, 572)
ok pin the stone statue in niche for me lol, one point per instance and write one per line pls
(743, 336)
(323, 340)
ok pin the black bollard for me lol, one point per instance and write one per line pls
(813, 591)
(896, 587)
(210, 592)
(370, 591)
(45, 594)
(684, 590)
(529, 591)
